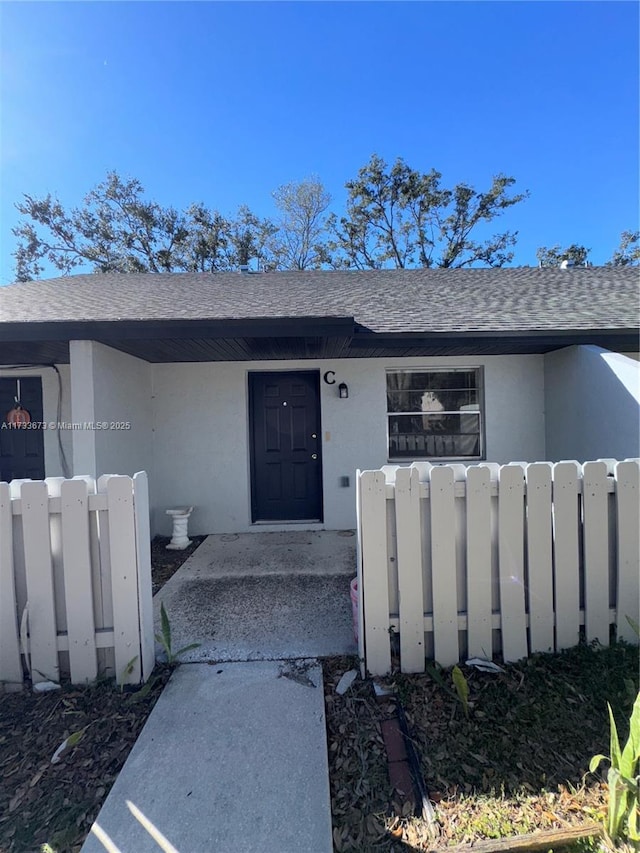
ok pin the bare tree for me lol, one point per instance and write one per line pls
(300, 241)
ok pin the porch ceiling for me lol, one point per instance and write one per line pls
(34, 352)
(234, 349)
(182, 341)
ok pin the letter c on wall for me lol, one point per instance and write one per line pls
(330, 377)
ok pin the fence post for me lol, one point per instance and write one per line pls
(375, 586)
(143, 552)
(627, 476)
(124, 579)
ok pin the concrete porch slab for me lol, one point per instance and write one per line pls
(232, 758)
(325, 552)
(263, 596)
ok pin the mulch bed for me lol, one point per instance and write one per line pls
(165, 564)
(41, 802)
(55, 804)
(361, 796)
(517, 765)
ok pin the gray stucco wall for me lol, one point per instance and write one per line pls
(201, 430)
(112, 388)
(592, 404)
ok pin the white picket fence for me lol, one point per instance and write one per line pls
(472, 561)
(75, 580)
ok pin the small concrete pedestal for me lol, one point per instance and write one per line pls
(179, 539)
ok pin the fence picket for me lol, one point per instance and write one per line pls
(54, 485)
(511, 562)
(424, 475)
(104, 544)
(375, 567)
(77, 581)
(143, 552)
(39, 576)
(19, 571)
(410, 593)
(360, 580)
(596, 551)
(104, 592)
(628, 549)
(124, 579)
(444, 570)
(10, 666)
(479, 629)
(539, 556)
(566, 553)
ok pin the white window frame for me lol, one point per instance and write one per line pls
(479, 369)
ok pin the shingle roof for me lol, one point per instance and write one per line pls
(383, 301)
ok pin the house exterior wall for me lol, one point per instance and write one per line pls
(110, 387)
(592, 404)
(56, 406)
(201, 430)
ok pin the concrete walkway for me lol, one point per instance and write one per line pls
(233, 759)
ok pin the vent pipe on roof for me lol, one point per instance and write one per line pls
(565, 265)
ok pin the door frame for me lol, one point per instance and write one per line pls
(315, 375)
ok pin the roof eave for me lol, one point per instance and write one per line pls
(178, 329)
(495, 342)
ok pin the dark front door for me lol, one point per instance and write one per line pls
(21, 450)
(286, 468)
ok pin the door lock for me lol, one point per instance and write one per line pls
(314, 455)
(313, 435)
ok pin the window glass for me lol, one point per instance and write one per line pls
(434, 414)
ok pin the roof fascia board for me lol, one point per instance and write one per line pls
(562, 336)
(280, 327)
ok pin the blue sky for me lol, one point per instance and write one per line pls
(223, 102)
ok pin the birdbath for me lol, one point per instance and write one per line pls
(179, 538)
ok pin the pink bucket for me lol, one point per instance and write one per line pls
(354, 606)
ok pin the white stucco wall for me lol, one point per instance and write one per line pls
(56, 406)
(592, 401)
(110, 387)
(201, 433)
